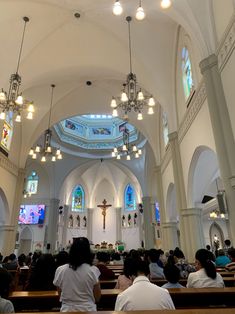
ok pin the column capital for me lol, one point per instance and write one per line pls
(173, 136)
(169, 224)
(208, 63)
(157, 169)
(191, 212)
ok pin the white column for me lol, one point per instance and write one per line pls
(65, 226)
(192, 221)
(89, 223)
(118, 223)
(149, 234)
(222, 130)
(170, 235)
(52, 228)
(179, 186)
(5, 232)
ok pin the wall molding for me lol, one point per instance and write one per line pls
(166, 159)
(226, 45)
(6, 164)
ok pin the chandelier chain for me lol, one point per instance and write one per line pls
(26, 19)
(129, 36)
(52, 95)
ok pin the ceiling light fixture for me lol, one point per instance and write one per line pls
(47, 151)
(126, 149)
(140, 14)
(132, 97)
(13, 101)
(165, 4)
(117, 10)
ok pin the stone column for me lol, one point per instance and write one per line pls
(5, 232)
(52, 227)
(170, 235)
(89, 223)
(179, 186)
(222, 130)
(11, 230)
(118, 223)
(192, 221)
(65, 226)
(149, 234)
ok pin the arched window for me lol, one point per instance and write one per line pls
(165, 128)
(32, 183)
(7, 132)
(78, 199)
(129, 198)
(187, 73)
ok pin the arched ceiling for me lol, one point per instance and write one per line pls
(67, 51)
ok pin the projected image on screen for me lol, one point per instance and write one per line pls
(31, 214)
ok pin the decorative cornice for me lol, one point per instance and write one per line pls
(193, 109)
(166, 159)
(6, 164)
(227, 44)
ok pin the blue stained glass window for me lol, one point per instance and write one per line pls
(129, 198)
(78, 199)
(32, 183)
(187, 73)
(157, 213)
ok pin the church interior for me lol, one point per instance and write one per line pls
(131, 138)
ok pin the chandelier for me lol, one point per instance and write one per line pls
(13, 101)
(216, 214)
(127, 149)
(46, 151)
(132, 97)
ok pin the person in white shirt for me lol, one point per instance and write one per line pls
(206, 275)
(78, 280)
(6, 306)
(143, 295)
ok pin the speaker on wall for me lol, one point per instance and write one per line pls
(222, 202)
(48, 246)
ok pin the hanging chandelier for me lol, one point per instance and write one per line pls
(132, 97)
(46, 151)
(117, 10)
(127, 149)
(13, 101)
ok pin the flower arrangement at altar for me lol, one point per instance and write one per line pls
(120, 246)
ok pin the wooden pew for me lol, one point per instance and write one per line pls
(227, 274)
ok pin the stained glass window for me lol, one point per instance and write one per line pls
(187, 73)
(165, 128)
(129, 198)
(78, 199)
(32, 183)
(7, 132)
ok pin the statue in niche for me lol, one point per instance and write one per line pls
(70, 224)
(135, 219)
(84, 221)
(78, 221)
(129, 220)
(123, 221)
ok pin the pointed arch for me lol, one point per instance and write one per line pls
(129, 198)
(78, 199)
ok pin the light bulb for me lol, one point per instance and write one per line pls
(113, 154)
(150, 110)
(115, 113)
(25, 195)
(48, 149)
(140, 15)
(134, 148)
(19, 100)
(115, 150)
(2, 96)
(58, 152)
(128, 157)
(124, 148)
(31, 152)
(118, 157)
(124, 97)
(31, 108)
(165, 4)
(139, 151)
(59, 157)
(34, 156)
(37, 149)
(29, 116)
(137, 155)
(113, 103)
(2, 115)
(43, 159)
(117, 8)
(18, 118)
(140, 116)
(140, 95)
(151, 102)
(53, 158)
(222, 215)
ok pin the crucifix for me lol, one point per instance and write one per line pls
(104, 207)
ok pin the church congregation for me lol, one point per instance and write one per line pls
(117, 156)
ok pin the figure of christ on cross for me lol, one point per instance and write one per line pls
(104, 207)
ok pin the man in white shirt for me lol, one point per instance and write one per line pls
(143, 295)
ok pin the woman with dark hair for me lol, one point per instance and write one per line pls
(206, 275)
(124, 281)
(78, 280)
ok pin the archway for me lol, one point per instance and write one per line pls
(216, 236)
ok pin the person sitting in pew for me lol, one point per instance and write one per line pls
(206, 275)
(123, 281)
(155, 270)
(5, 279)
(222, 260)
(231, 255)
(143, 295)
(105, 273)
(172, 274)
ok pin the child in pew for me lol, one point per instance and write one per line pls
(172, 274)
(5, 279)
